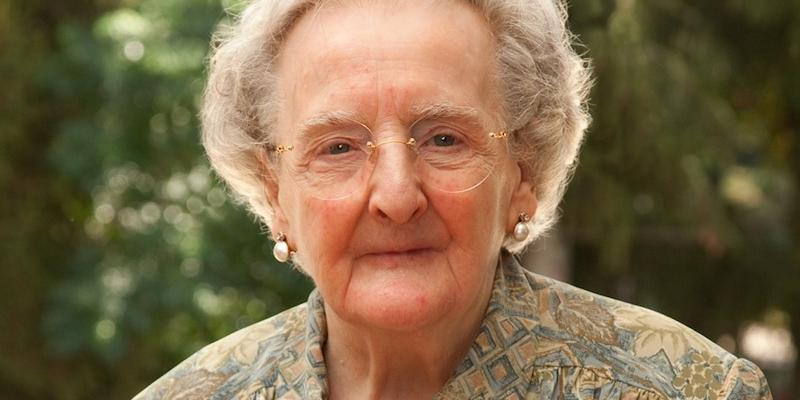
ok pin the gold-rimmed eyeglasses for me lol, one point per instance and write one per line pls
(338, 161)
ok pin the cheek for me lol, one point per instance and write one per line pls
(324, 230)
(489, 218)
(472, 221)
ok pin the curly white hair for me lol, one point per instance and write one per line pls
(543, 82)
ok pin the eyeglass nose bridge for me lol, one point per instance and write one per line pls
(411, 143)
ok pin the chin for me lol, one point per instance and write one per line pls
(401, 307)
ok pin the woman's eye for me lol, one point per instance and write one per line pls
(339, 148)
(444, 140)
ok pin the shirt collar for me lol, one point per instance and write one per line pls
(499, 362)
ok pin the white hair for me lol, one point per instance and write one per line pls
(543, 84)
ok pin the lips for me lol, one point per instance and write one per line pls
(399, 243)
(408, 252)
(396, 258)
(379, 245)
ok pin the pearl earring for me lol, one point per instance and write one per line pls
(521, 230)
(281, 249)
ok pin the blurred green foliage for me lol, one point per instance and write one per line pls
(122, 253)
(685, 199)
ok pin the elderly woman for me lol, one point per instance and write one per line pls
(400, 152)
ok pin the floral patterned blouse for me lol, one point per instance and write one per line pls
(540, 339)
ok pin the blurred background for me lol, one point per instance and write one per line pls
(121, 253)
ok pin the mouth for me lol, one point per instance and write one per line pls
(398, 258)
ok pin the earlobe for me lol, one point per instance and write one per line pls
(269, 180)
(523, 200)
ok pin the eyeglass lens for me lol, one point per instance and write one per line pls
(338, 162)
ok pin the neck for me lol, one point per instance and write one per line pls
(365, 363)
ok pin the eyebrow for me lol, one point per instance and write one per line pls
(446, 111)
(328, 119)
(332, 119)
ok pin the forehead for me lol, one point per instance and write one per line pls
(384, 60)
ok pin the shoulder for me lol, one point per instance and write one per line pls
(633, 345)
(587, 317)
(230, 367)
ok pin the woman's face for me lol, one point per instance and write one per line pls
(396, 254)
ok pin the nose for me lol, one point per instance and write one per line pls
(395, 190)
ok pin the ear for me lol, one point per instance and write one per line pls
(523, 199)
(269, 180)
